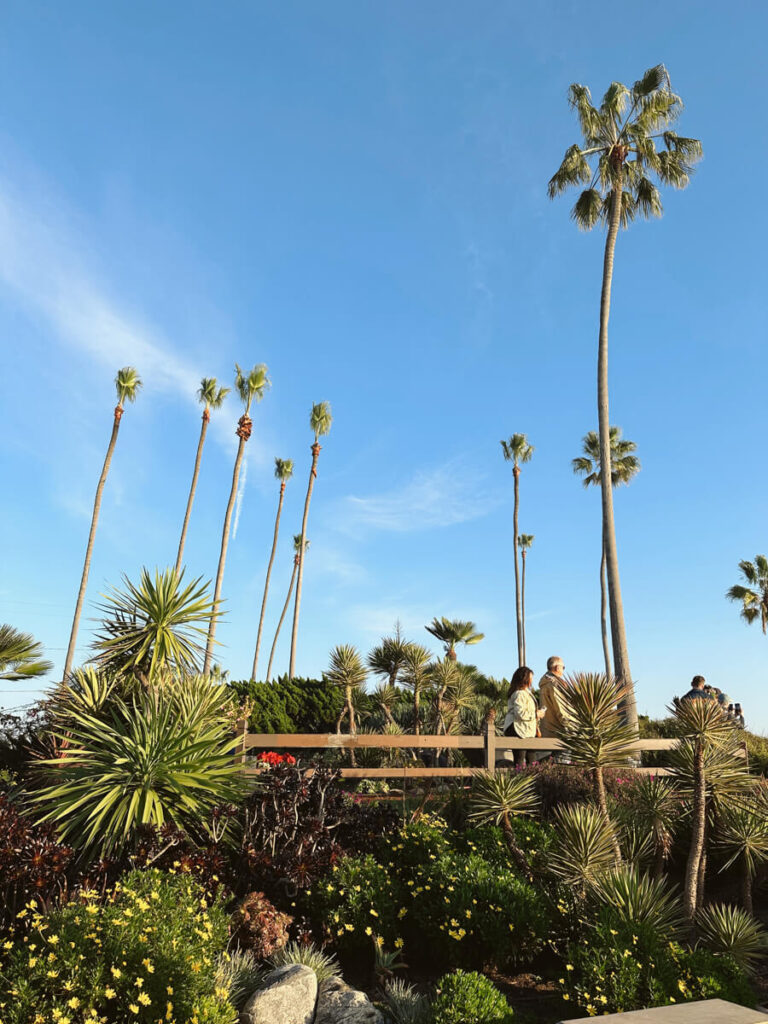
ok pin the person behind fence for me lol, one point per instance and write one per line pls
(697, 690)
(550, 685)
(522, 713)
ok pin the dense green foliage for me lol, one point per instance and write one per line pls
(468, 998)
(148, 951)
(290, 705)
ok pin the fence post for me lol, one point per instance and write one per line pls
(241, 731)
(490, 740)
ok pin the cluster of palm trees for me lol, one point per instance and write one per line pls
(251, 386)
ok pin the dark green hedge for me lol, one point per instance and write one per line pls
(295, 705)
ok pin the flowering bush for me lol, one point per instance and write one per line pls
(269, 758)
(259, 927)
(469, 998)
(148, 952)
(358, 900)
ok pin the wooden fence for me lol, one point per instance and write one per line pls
(493, 749)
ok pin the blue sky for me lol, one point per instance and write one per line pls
(354, 193)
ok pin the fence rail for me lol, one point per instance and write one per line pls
(494, 749)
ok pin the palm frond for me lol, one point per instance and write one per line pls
(252, 385)
(283, 469)
(21, 655)
(320, 419)
(588, 209)
(128, 383)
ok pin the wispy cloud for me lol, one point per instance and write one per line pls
(444, 496)
(240, 493)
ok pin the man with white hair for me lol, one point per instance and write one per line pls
(550, 687)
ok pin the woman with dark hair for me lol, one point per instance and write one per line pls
(522, 714)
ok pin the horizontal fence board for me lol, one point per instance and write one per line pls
(392, 773)
(296, 741)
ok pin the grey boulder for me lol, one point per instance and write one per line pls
(288, 995)
(337, 1003)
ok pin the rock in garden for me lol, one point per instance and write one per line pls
(337, 1003)
(288, 995)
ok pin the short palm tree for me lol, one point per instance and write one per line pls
(320, 420)
(496, 798)
(283, 473)
(517, 450)
(594, 731)
(211, 396)
(616, 160)
(347, 671)
(525, 539)
(753, 597)
(21, 656)
(388, 658)
(743, 837)
(251, 387)
(454, 631)
(415, 675)
(296, 550)
(153, 628)
(127, 385)
(624, 465)
(707, 750)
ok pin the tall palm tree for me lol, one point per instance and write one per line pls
(212, 397)
(296, 549)
(517, 450)
(620, 138)
(454, 631)
(320, 420)
(283, 473)
(347, 671)
(754, 598)
(127, 385)
(624, 465)
(21, 656)
(251, 387)
(526, 539)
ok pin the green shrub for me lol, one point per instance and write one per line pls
(469, 998)
(295, 705)
(148, 951)
(358, 899)
(534, 837)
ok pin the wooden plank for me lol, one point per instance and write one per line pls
(322, 741)
(539, 743)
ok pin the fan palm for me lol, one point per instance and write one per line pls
(754, 597)
(127, 385)
(743, 837)
(525, 540)
(21, 655)
(415, 676)
(517, 450)
(496, 798)
(454, 631)
(616, 160)
(703, 730)
(594, 731)
(320, 420)
(154, 627)
(624, 465)
(211, 396)
(347, 671)
(283, 473)
(251, 387)
(296, 549)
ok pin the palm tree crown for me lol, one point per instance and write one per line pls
(624, 463)
(283, 470)
(525, 540)
(320, 419)
(252, 386)
(754, 597)
(21, 655)
(517, 449)
(619, 149)
(454, 631)
(128, 383)
(210, 394)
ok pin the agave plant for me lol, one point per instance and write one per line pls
(639, 899)
(583, 847)
(154, 627)
(165, 758)
(729, 930)
(496, 798)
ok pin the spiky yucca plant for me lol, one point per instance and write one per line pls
(405, 1004)
(638, 898)
(325, 965)
(743, 837)
(729, 930)
(583, 845)
(497, 797)
(657, 811)
(347, 671)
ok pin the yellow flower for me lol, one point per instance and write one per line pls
(369, 930)
(109, 992)
(399, 943)
(133, 1008)
(144, 999)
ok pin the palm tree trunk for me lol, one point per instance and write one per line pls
(603, 616)
(522, 605)
(518, 605)
(266, 582)
(89, 548)
(192, 489)
(618, 633)
(702, 875)
(297, 603)
(282, 616)
(244, 433)
(746, 890)
(691, 886)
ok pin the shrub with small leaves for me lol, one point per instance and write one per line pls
(146, 952)
(469, 998)
(258, 926)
